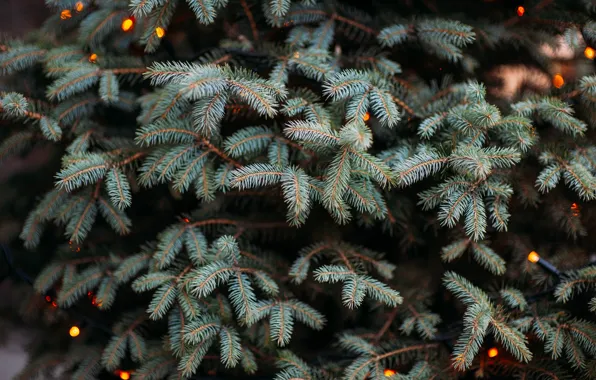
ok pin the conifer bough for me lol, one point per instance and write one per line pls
(277, 188)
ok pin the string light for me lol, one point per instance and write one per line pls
(93, 299)
(51, 301)
(389, 372)
(74, 331)
(520, 11)
(127, 24)
(74, 248)
(493, 352)
(160, 32)
(589, 53)
(79, 6)
(366, 117)
(65, 14)
(186, 220)
(533, 257)
(124, 375)
(93, 58)
(558, 81)
(575, 209)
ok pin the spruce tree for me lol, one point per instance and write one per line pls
(302, 189)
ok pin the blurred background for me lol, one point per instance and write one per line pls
(17, 17)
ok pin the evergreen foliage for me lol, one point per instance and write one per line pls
(288, 188)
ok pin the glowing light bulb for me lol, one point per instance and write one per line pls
(127, 24)
(93, 58)
(79, 6)
(575, 209)
(95, 302)
(74, 331)
(124, 375)
(589, 53)
(493, 352)
(65, 14)
(558, 81)
(366, 117)
(389, 372)
(533, 257)
(160, 32)
(520, 11)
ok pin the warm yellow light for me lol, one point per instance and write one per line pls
(389, 372)
(79, 6)
(589, 53)
(160, 32)
(366, 117)
(127, 24)
(124, 375)
(65, 14)
(493, 352)
(93, 58)
(74, 331)
(533, 257)
(520, 11)
(558, 81)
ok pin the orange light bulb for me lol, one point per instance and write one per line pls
(124, 375)
(520, 11)
(366, 117)
(79, 6)
(127, 24)
(93, 58)
(160, 32)
(65, 14)
(389, 372)
(558, 81)
(533, 257)
(589, 53)
(575, 209)
(74, 331)
(493, 352)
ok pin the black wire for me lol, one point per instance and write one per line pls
(8, 258)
